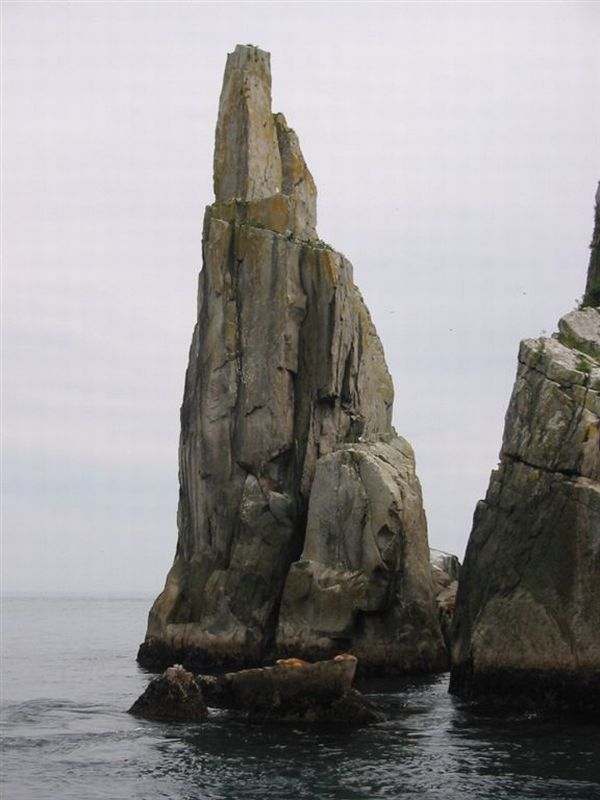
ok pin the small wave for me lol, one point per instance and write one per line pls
(34, 711)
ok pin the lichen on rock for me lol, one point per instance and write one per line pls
(294, 690)
(445, 571)
(174, 696)
(527, 626)
(369, 588)
(285, 370)
(257, 156)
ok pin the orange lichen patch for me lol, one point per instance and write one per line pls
(271, 212)
(227, 211)
(590, 462)
(292, 662)
(329, 262)
(345, 657)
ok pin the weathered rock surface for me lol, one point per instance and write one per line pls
(294, 690)
(445, 571)
(292, 682)
(527, 624)
(285, 369)
(174, 696)
(445, 562)
(257, 156)
(371, 587)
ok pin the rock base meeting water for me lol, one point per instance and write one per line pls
(301, 528)
(527, 623)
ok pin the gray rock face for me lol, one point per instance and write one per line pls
(446, 562)
(445, 571)
(294, 691)
(175, 696)
(369, 588)
(527, 623)
(285, 368)
(247, 163)
(257, 156)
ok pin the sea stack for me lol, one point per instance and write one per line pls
(287, 381)
(527, 621)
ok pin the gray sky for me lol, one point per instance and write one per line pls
(455, 147)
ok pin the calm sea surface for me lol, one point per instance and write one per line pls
(69, 674)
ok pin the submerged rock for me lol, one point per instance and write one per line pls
(294, 690)
(286, 374)
(527, 625)
(174, 696)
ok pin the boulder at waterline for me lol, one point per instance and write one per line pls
(285, 368)
(294, 690)
(174, 696)
(527, 622)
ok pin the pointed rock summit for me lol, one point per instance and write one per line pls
(301, 526)
(257, 156)
(527, 621)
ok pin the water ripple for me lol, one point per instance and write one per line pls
(77, 743)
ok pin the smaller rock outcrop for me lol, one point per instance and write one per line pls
(293, 690)
(445, 572)
(174, 696)
(444, 562)
(527, 622)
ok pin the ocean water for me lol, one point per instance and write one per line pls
(69, 675)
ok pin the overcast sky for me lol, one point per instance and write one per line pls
(456, 150)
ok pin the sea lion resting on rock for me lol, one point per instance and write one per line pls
(299, 662)
(292, 689)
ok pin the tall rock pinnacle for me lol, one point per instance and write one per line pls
(287, 381)
(256, 155)
(527, 621)
(247, 163)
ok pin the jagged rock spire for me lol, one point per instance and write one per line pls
(257, 156)
(592, 289)
(247, 163)
(286, 381)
